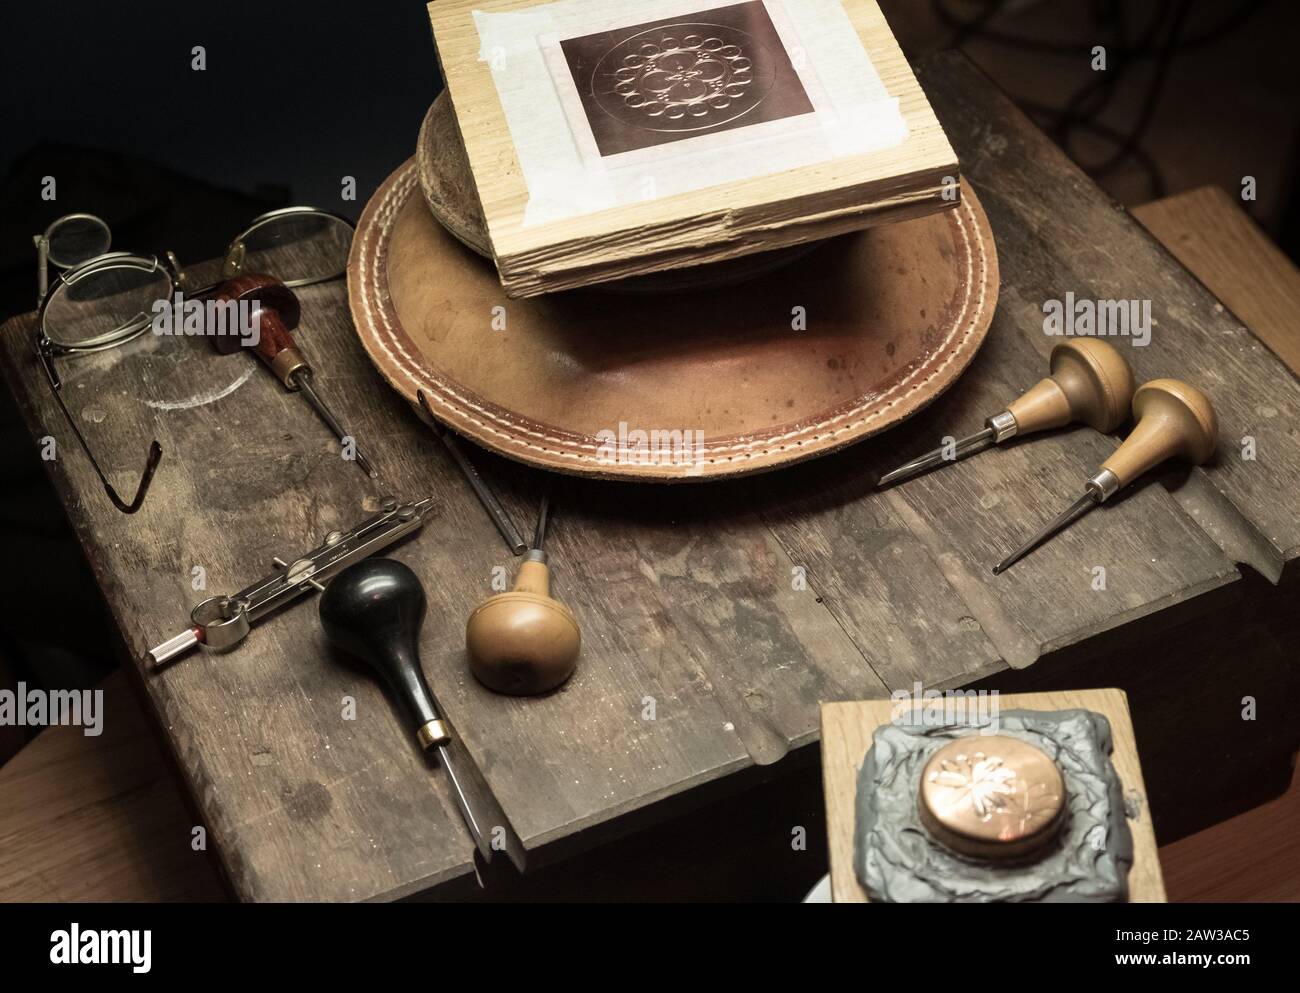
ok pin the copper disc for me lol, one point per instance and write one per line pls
(848, 340)
(992, 796)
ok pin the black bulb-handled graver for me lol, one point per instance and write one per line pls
(373, 610)
(375, 613)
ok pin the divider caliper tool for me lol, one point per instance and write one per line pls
(278, 315)
(222, 622)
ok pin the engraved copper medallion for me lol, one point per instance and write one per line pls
(662, 81)
(992, 796)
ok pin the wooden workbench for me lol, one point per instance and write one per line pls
(686, 594)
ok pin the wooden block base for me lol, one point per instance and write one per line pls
(847, 730)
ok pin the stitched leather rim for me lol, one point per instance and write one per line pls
(547, 446)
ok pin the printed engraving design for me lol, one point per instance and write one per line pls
(649, 84)
(680, 78)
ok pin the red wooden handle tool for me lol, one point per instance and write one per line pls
(278, 314)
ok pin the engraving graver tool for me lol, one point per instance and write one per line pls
(514, 541)
(374, 611)
(279, 315)
(1174, 420)
(222, 622)
(524, 642)
(1091, 384)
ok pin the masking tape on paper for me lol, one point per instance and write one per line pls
(580, 152)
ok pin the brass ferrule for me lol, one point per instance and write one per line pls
(287, 365)
(433, 733)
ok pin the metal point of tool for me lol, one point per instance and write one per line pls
(478, 803)
(304, 383)
(466, 811)
(1174, 420)
(504, 525)
(959, 450)
(543, 517)
(1081, 506)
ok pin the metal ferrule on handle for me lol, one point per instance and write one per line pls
(1003, 426)
(1104, 485)
(433, 733)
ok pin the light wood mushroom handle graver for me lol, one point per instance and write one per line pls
(1174, 419)
(523, 642)
(1091, 383)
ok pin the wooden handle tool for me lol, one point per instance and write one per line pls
(1091, 383)
(373, 611)
(1174, 420)
(523, 642)
(278, 315)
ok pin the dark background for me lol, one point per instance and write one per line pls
(297, 95)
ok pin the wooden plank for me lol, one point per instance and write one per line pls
(1253, 858)
(883, 585)
(1057, 233)
(847, 730)
(692, 581)
(1212, 236)
(99, 818)
(792, 206)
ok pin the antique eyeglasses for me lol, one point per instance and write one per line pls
(102, 299)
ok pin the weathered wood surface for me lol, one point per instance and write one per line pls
(848, 730)
(687, 600)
